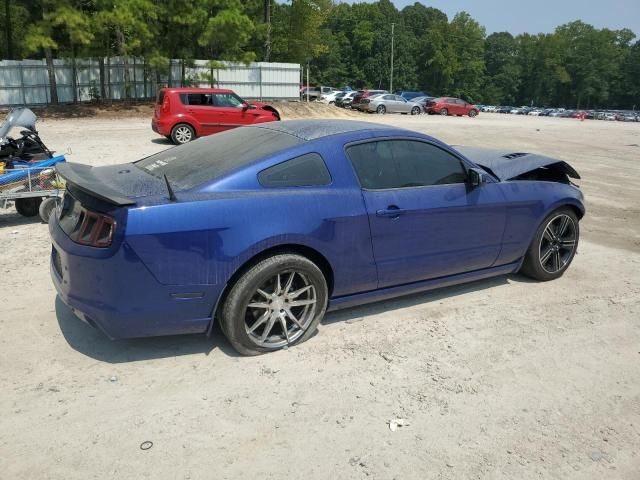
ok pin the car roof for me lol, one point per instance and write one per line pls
(314, 129)
(196, 90)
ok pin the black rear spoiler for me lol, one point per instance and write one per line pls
(82, 177)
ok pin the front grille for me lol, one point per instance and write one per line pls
(55, 260)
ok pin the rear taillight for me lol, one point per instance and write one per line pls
(94, 229)
(166, 104)
(85, 226)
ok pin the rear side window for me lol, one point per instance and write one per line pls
(196, 99)
(403, 164)
(208, 158)
(305, 171)
(160, 98)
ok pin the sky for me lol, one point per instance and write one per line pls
(535, 16)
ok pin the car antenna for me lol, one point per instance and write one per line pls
(172, 196)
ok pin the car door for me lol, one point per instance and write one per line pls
(402, 106)
(233, 113)
(200, 107)
(425, 221)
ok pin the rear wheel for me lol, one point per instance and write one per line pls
(276, 303)
(182, 133)
(553, 247)
(381, 109)
(444, 112)
(28, 207)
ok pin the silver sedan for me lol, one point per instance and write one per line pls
(389, 103)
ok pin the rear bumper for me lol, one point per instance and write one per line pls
(160, 127)
(116, 293)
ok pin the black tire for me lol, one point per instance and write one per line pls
(444, 112)
(381, 109)
(237, 317)
(473, 113)
(182, 133)
(415, 111)
(535, 265)
(47, 207)
(28, 207)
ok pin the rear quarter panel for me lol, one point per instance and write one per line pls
(206, 240)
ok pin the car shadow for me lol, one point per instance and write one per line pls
(162, 141)
(93, 343)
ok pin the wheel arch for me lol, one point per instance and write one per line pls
(304, 250)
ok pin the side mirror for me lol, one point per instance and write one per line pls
(245, 106)
(474, 177)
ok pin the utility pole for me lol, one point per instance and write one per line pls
(267, 20)
(391, 78)
(307, 91)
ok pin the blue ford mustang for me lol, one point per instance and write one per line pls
(266, 227)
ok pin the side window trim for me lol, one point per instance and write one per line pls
(465, 164)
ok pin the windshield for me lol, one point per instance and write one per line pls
(17, 117)
(208, 158)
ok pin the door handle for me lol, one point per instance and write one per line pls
(392, 211)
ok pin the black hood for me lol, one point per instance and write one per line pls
(510, 165)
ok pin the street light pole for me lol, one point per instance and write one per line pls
(391, 78)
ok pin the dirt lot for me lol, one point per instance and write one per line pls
(503, 378)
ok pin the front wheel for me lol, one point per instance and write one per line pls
(473, 113)
(415, 111)
(276, 303)
(182, 133)
(381, 109)
(553, 247)
(444, 112)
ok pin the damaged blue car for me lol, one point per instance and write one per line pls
(264, 228)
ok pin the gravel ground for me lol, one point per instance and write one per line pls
(503, 378)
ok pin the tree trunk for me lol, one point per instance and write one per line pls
(182, 72)
(144, 76)
(169, 74)
(122, 50)
(53, 86)
(7, 20)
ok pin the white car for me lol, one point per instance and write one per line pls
(329, 98)
(535, 113)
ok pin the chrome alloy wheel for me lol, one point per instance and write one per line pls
(183, 134)
(281, 310)
(558, 243)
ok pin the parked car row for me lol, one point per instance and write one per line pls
(406, 102)
(622, 116)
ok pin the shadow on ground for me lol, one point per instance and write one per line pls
(93, 343)
(11, 218)
(162, 141)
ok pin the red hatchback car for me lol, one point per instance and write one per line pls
(182, 114)
(450, 106)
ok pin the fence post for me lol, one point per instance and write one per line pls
(260, 68)
(24, 98)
